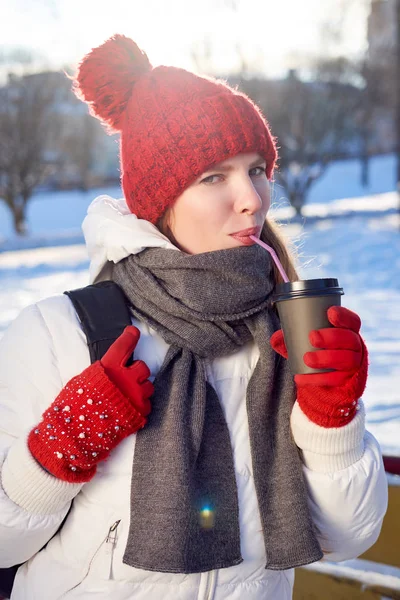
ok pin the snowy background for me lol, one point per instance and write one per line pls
(348, 232)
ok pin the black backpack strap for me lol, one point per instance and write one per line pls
(103, 311)
(7, 576)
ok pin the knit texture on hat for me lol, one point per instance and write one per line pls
(174, 124)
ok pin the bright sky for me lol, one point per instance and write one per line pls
(273, 34)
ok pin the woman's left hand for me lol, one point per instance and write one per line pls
(330, 398)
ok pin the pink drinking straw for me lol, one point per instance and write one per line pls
(274, 256)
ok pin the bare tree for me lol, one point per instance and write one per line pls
(27, 119)
(360, 74)
(314, 125)
(317, 118)
(397, 97)
(371, 70)
(82, 134)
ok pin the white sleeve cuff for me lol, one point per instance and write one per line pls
(30, 486)
(328, 449)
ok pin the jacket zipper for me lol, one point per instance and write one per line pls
(111, 537)
(210, 585)
(111, 542)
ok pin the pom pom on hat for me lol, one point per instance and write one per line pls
(106, 78)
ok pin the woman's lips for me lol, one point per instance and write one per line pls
(243, 236)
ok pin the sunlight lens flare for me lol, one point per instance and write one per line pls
(207, 517)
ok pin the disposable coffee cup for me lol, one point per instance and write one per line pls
(302, 307)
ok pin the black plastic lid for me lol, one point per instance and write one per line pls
(305, 287)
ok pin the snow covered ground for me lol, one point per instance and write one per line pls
(356, 239)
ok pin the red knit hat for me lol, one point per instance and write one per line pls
(174, 124)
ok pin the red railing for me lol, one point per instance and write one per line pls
(392, 464)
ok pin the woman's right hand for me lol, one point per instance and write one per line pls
(93, 413)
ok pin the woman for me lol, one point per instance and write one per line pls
(193, 472)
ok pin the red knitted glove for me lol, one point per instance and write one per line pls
(93, 413)
(329, 399)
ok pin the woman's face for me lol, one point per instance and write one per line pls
(223, 207)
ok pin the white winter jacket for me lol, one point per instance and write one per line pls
(42, 349)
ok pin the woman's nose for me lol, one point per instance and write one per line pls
(247, 199)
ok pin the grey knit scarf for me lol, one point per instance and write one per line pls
(184, 502)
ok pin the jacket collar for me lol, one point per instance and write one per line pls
(112, 233)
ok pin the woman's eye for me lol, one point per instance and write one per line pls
(257, 171)
(211, 179)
